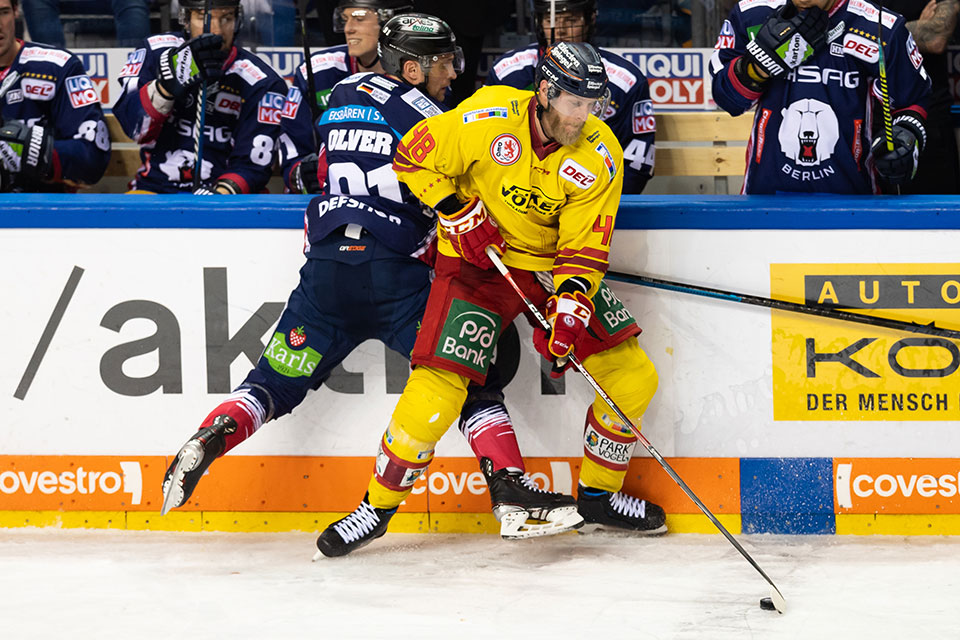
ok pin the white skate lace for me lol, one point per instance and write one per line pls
(358, 524)
(628, 505)
(528, 482)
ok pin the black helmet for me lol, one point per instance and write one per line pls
(385, 9)
(574, 67)
(542, 10)
(186, 6)
(419, 37)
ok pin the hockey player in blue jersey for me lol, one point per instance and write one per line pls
(52, 134)
(157, 107)
(360, 22)
(811, 70)
(629, 114)
(369, 234)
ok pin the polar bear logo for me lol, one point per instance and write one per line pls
(809, 132)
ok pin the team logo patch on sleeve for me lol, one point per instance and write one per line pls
(228, 103)
(134, 63)
(81, 91)
(421, 103)
(483, 114)
(505, 149)
(726, 39)
(292, 104)
(643, 118)
(607, 159)
(41, 90)
(270, 108)
(915, 56)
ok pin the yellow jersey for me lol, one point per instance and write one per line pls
(556, 205)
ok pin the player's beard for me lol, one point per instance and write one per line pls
(565, 131)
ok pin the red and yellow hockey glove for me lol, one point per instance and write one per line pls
(569, 315)
(470, 230)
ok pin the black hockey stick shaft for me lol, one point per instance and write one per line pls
(783, 305)
(495, 258)
(201, 109)
(315, 110)
(884, 92)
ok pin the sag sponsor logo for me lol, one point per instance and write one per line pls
(79, 481)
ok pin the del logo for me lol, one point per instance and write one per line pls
(270, 108)
(505, 149)
(860, 47)
(291, 362)
(228, 103)
(574, 172)
(292, 104)
(81, 91)
(37, 89)
(469, 335)
(828, 370)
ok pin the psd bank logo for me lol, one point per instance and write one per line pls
(44, 481)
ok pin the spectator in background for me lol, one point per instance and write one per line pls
(932, 26)
(53, 136)
(132, 19)
(157, 108)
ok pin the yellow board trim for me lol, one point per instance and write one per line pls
(699, 523)
(946, 524)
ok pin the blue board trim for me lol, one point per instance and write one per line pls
(121, 211)
(787, 495)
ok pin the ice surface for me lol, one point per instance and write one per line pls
(120, 584)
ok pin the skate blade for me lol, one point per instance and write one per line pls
(595, 527)
(187, 460)
(318, 556)
(514, 525)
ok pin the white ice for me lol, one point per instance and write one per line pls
(131, 585)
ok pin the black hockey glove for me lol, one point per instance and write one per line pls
(26, 151)
(195, 61)
(909, 137)
(304, 178)
(786, 39)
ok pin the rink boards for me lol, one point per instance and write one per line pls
(128, 319)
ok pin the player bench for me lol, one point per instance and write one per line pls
(689, 144)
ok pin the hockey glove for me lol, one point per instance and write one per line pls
(305, 176)
(185, 67)
(27, 151)
(470, 230)
(900, 165)
(786, 39)
(569, 316)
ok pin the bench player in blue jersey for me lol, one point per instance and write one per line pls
(52, 133)
(371, 235)
(157, 107)
(811, 71)
(629, 112)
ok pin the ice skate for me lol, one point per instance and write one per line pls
(363, 526)
(619, 512)
(192, 461)
(516, 499)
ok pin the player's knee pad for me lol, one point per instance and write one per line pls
(430, 403)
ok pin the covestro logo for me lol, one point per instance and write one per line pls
(894, 485)
(44, 481)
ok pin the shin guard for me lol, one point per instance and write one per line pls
(401, 460)
(607, 449)
(487, 427)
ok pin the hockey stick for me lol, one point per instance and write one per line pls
(782, 305)
(311, 82)
(778, 601)
(884, 93)
(201, 109)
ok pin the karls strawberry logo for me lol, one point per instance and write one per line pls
(297, 337)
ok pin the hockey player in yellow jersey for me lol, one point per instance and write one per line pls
(539, 177)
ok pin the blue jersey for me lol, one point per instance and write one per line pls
(629, 116)
(813, 128)
(366, 116)
(241, 124)
(330, 66)
(55, 91)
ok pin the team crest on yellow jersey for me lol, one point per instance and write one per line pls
(505, 149)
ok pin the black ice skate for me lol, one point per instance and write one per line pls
(516, 498)
(620, 512)
(192, 461)
(360, 528)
